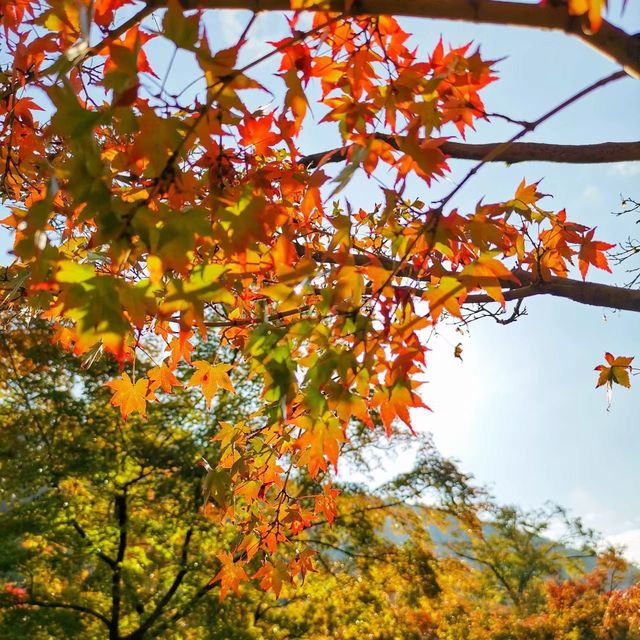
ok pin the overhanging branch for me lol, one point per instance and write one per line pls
(604, 152)
(589, 293)
(609, 40)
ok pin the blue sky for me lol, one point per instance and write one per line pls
(521, 411)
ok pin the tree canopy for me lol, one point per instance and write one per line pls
(142, 217)
(104, 535)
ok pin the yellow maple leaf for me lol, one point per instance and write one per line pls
(130, 397)
(445, 296)
(593, 8)
(210, 377)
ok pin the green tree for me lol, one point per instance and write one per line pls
(104, 534)
(100, 520)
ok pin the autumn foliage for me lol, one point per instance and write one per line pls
(140, 218)
(104, 535)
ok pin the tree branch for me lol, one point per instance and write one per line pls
(604, 152)
(609, 40)
(590, 293)
(166, 598)
(116, 580)
(57, 605)
(200, 593)
(515, 597)
(346, 552)
(83, 534)
(114, 34)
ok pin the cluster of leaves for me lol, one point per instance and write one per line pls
(104, 535)
(216, 223)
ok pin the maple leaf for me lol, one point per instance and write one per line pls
(395, 402)
(272, 576)
(180, 349)
(319, 442)
(257, 132)
(211, 377)
(130, 397)
(445, 296)
(592, 253)
(616, 371)
(162, 377)
(487, 272)
(425, 158)
(104, 10)
(230, 575)
(326, 503)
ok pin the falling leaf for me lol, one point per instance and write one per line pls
(616, 371)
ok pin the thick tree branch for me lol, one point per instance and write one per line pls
(116, 579)
(611, 41)
(604, 152)
(527, 128)
(590, 293)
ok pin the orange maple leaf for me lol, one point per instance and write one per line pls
(592, 253)
(211, 377)
(273, 575)
(130, 397)
(257, 132)
(230, 575)
(162, 377)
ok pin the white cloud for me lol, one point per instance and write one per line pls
(625, 169)
(592, 194)
(629, 539)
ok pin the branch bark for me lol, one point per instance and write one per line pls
(589, 293)
(116, 579)
(609, 40)
(604, 152)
